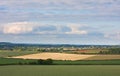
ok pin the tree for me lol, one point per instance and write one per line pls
(45, 62)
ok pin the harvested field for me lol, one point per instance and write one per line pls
(65, 56)
(55, 56)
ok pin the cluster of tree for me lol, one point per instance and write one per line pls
(45, 62)
(39, 62)
(50, 49)
(111, 51)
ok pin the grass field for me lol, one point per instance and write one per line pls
(62, 70)
(15, 53)
(9, 61)
(87, 51)
(88, 62)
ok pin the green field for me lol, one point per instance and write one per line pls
(10, 61)
(15, 53)
(61, 70)
(88, 62)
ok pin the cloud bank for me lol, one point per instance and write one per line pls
(42, 28)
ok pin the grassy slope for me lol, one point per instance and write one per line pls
(15, 53)
(10, 61)
(88, 62)
(61, 70)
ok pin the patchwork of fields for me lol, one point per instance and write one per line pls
(55, 56)
(87, 65)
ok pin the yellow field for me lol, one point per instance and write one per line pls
(65, 56)
(55, 56)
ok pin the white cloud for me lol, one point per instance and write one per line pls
(43, 28)
(75, 29)
(17, 28)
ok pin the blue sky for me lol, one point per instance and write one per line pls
(60, 21)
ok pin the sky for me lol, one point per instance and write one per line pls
(60, 21)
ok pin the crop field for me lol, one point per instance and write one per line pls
(15, 53)
(55, 56)
(95, 50)
(92, 51)
(65, 56)
(103, 57)
(61, 70)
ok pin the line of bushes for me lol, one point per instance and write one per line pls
(7, 61)
(111, 51)
(11, 61)
(42, 62)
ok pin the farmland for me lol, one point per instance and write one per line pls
(15, 53)
(55, 56)
(64, 56)
(61, 70)
(26, 61)
(103, 57)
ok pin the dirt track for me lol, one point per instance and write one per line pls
(55, 56)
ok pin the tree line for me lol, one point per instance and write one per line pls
(111, 51)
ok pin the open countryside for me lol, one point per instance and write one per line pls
(20, 59)
(59, 37)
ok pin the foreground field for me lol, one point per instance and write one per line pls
(62, 70)
(55, 56)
